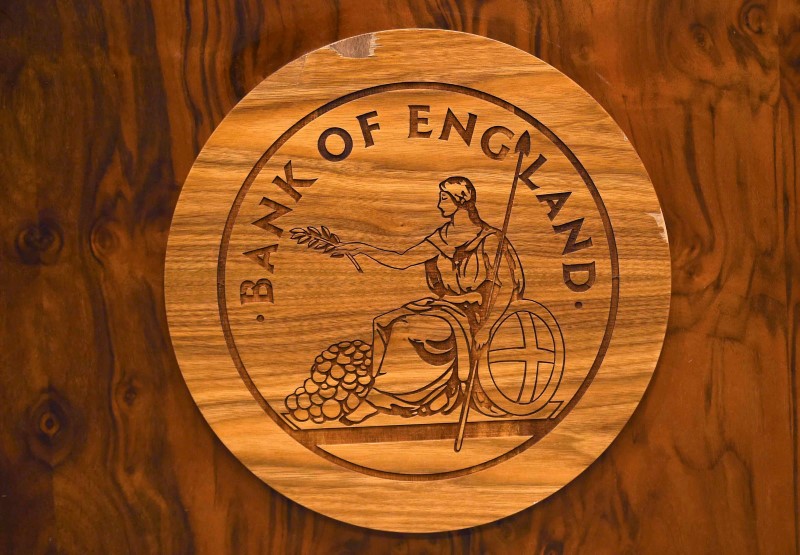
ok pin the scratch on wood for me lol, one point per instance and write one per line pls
(659, 218)
(362, 46)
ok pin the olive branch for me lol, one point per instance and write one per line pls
(322, 240)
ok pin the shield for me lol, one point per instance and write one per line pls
(523, 364)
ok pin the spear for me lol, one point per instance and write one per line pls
(523, 149)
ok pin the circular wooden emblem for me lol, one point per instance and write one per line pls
(417, 280)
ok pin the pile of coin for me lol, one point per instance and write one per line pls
(341, 377)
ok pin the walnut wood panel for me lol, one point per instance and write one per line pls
(105, 105)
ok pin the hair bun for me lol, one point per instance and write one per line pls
(460, 188)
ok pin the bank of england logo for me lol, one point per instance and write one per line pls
(417, 280)
(412, 270)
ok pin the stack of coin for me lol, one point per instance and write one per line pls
(340, 378)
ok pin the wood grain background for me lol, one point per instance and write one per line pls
(104, 106)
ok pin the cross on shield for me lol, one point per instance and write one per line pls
(525, 359)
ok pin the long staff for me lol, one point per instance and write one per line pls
(523, 148)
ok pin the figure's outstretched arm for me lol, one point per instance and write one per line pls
(418, 254)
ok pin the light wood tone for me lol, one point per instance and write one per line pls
(390, 472)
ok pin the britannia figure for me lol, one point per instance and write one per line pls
(422, 352)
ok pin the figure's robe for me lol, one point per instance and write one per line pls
(423, 351)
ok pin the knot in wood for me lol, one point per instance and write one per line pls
(754, 18)
(702, 38)
(49, 424)
(103, 239)
(40, 242)
(127, 392)
(50, 430)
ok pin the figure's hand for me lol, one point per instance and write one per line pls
(353, 248)
(481, 337)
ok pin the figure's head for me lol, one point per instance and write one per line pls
(456, 193)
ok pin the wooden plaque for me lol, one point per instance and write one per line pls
(417, 280)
